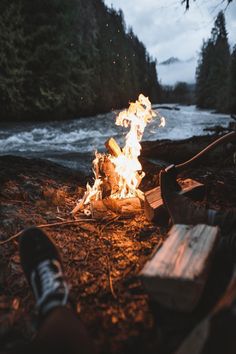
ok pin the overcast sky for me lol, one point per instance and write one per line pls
(168, 30)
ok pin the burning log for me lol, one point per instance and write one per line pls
(98, 209)
(118, 206)
(154, 208)
(113, 147)
(110, 179)
(176, 274)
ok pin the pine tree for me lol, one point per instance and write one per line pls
(212, 71)
(61, 59)
(12, 59)
(232, 82)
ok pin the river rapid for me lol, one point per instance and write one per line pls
(73, 143)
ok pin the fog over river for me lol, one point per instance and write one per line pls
(72, 143)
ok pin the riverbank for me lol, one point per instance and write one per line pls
(102, 258)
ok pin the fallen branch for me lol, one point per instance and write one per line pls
(44, 226)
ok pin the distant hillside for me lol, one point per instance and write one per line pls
(63, 59)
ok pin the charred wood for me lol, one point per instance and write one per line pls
(119, 206)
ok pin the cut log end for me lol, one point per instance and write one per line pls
(177, 273)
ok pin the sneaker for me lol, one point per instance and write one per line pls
(42, 266)
(182, 210)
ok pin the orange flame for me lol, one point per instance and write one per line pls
(127, 165)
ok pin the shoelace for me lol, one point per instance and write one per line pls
(49, 280)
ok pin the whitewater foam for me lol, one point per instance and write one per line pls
(59, 140)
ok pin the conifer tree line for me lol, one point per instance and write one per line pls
(68, 58)
(216, 71)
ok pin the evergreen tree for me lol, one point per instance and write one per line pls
(232, 82)
(212, 71)
(204, 93)
(61, 59)
(12, 59)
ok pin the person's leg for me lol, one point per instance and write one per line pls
(60, 330)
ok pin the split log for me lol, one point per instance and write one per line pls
(80, 204)
(113, 147)
(176, 274)
(204, 332)
(154, 208)
(119, 206)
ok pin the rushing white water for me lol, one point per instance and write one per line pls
(72, 143)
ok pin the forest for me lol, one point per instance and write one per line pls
(216, 71)
(63, 59)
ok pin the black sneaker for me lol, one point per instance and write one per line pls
(42, 266)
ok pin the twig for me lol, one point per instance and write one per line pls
(44, 226)
(110, 279)
(109, 222)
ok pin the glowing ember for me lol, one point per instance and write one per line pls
(127, 170)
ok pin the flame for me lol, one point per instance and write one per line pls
(127, 166)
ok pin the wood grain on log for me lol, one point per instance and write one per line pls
(176, 274)
(154, 208)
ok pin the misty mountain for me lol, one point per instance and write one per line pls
(173, 70)
(171, 60)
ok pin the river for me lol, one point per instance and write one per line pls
(72, 143)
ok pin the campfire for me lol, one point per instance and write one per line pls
(118, 173)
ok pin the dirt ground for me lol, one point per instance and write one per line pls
(102, 259)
